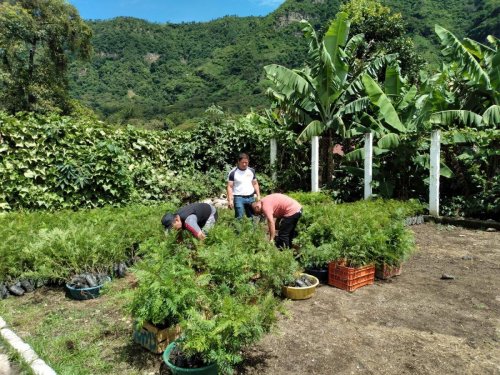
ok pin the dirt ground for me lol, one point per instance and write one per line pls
(415, 323)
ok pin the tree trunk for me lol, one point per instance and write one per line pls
(29, 98)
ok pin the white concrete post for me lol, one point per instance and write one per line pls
(434, 173)
(314, 163)
(368, 164)
(274, 152)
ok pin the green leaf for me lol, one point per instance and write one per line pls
(449, 118)
(356, 155)
(445, 171)
(492, 115)
(315, 128)
(336, 35)
(459, 138)
(333, 67)
(388, 141)
(393, 82)
(288, 81)
(378, 98)
(356, 106)
(453, 48)
(379, 151)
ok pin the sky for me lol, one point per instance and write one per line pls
(173, 11)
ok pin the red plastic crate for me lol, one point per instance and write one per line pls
(384, 272)
(350, 278)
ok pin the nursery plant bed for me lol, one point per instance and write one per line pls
(422, 334)
(175, 370)
(155, 339)
(386, 271)
(298, 293)
(350, 278)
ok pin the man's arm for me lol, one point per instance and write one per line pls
(191, 224)
(256, 186)
(271, 226)
(229, 189)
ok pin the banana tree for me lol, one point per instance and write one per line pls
(317, 95)
(465, 96)
(398, 118)
(472, 96)
(462, 100)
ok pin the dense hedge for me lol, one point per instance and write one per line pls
(57, 162)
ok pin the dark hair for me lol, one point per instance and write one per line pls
(167, 220)
(243, 155)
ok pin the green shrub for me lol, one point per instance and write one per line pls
(221, 290)
(42, 245)
(54, 162)
(318, 257)
(237, 259)
(309, 198)
(168, 285)
(219, 333)
(361, 233)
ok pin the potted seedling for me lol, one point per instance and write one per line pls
(399, 246)
(214, 336)
(315, 260)
(167, 287)
(355, 266)
(87, 285)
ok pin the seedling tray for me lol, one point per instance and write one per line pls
(155, 339)
(350, 278)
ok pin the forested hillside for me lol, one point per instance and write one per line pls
(165, 74)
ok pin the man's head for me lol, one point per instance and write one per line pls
(172, 221)
(243, 160)
(257, 207)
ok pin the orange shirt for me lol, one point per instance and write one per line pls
(279, 205)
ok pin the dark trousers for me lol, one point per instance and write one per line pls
(286, 231)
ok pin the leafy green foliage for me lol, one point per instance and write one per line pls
(232, 325)
(385, 32)
(53, 162)
(317, 198)
(37, 38)
(168, 284)
(220, 290)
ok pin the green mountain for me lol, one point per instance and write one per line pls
(146, 73)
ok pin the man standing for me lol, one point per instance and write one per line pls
(197, 218)
(241, 187)
(280, 206)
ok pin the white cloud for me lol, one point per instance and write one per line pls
(268, 2)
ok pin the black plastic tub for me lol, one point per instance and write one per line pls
(321, 274)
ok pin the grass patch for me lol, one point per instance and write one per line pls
(80, 337)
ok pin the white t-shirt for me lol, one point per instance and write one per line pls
(242, 181)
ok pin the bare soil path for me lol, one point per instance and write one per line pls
(415, 323)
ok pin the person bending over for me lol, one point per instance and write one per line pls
(197, 218)
(279, 206)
